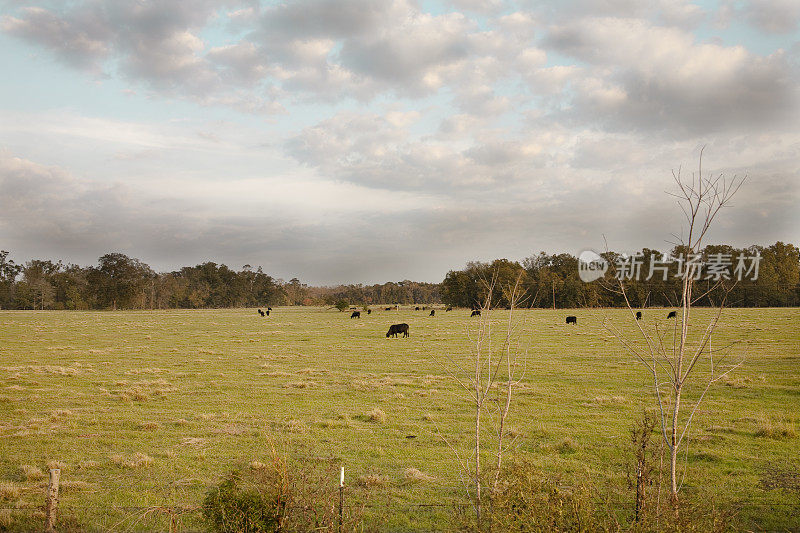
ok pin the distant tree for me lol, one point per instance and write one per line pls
(8, 275)
(36, 289)
(341, 305)
(119, 281)
(295, 291)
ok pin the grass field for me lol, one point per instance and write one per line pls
(146, 409)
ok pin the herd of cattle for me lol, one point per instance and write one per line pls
(396, 329)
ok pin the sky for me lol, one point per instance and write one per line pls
(364, 141)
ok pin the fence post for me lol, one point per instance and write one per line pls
(341, 499)
(52, 501)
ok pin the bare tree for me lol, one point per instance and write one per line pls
(676, 363)
(488, 384)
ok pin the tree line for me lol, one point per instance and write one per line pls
(770, 277)
(122, 282)
(548, 280)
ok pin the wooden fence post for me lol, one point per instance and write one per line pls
(52, 501)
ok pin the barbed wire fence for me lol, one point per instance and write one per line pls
(172, 517)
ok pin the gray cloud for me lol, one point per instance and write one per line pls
(769, 16)
(658, 78)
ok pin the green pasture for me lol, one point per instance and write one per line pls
(146, 410)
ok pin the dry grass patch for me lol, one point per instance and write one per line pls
(149, 426)
(300, 384)
(777, 429)
(373, 481)
(31, 473)
(132, 461)
(8, 491)
(75, 485)
(57, 464)
(60, 413)
(296, 426)
(415, 475)
(376, 415)
(87, 465)
(607, 400)
(737, 382)
(5, 518)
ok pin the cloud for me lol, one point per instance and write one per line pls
(769, 16)
(659, 78)
(81, 43)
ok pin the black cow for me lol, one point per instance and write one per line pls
(572, 320)
(449, 309)
(269, 309)
(416, 309)
(397, 328)
(638, 315)
(388, 309)
(476, 312)
(369, 311)
(672, 314)
(260, 312)
(433, 312)
(267, 312)
(356, 314)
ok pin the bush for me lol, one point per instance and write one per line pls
(271, 496)
(252, 500)
(527, 500)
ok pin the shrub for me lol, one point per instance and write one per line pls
(527, 500)
(268, 495)
(247, 501)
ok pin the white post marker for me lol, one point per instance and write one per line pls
(341, 500)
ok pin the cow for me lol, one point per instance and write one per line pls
(267, 312)
(638, 315)
(388, 309)
(269, 309)
(416, 309)
(476, 312)
(356, 314)
(672, 314)
(572, 320)
(433, 312)
(397, 328)
(260, 312)
(449, 309)
(369, 311)
(424, 307)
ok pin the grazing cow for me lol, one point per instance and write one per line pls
(267, 312)
(388, 309)
(356, 314)
(449, 309)
(476, 312)
(397, 328)
(672, 314)
(416, 309)
(572, 320)
(369, 311)
(638, 315)
(260, 312)
(433, 312)
(269, 309)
